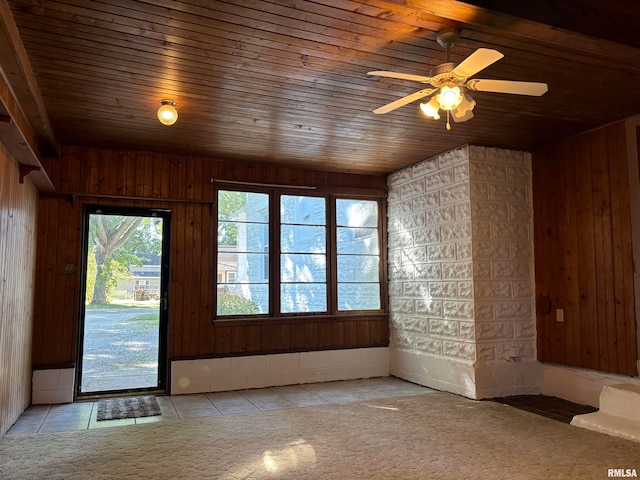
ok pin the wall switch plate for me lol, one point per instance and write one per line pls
(559, 315)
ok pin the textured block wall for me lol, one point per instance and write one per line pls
(430, 269)
(461, 281)
(502, 249)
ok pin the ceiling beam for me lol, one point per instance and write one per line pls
(517, 27)
(23, 88)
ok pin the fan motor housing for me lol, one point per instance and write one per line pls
(442, 68)
(442, 74)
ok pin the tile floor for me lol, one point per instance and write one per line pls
(82, 415)
(550, 407)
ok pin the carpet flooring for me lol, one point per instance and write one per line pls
(429, 436)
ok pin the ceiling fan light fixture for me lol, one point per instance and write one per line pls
(167, 113)
(466, 105)
(431, 109)
(449, 97)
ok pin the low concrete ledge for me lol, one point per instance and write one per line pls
(619, 413)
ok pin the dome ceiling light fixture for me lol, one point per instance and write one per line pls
(451, 83)
(167, 113)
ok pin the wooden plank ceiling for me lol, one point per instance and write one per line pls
(286, 80)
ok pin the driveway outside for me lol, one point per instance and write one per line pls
(121, 347)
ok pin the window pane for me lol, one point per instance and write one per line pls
(243, 206)
(357, 240)
(243, 299)
(303, 297)
(357, 268)
(247, 237)
(358, 244)
(248, 267)
(303, 239)
(358, 296)
(357, 213)
(303, 263)
(302, 210)
(243, 253)
(304, 268)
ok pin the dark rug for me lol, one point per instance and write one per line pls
(130, 407)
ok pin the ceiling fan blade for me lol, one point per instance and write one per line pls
(534, 89)
(401, 76)
(478, 60)
(404, 101)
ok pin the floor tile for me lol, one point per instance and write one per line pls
(550, 407)
(260, 395)
(225, 399)
(69, 415)
(82, 415)
(182, 402)
(233, 409)
(275, 405)
(321, 388)
(37, 410)
(155, 418)
(199, 412)
(304, 399)
(340, 397)
(111, 423)
(72, 407)
(282, 391)
(53, 426)
(366, 393)
(26, 424)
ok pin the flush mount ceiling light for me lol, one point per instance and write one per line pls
(167, 113)
(450, 83)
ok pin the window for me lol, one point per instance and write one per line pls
(358, 255)
(324, 256)
(303, 254)
(243, 224)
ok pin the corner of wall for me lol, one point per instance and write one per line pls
(461, 285)
(440, 373)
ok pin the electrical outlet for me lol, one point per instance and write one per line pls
(559, 315)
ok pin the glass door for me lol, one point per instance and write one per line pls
(123, 316)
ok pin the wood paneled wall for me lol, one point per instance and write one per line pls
(109, 177)
(583, 252)
(18, 214)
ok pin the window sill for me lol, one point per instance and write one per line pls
(228, 321)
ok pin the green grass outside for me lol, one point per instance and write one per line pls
(145, 319)
(114, 306)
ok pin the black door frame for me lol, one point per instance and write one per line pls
(163, 360)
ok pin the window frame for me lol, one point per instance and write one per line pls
(381, 269)
(274, 255)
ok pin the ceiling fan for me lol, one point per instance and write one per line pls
(452, 83)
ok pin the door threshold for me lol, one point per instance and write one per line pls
(105, 395)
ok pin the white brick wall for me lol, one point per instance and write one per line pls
(503, 215)
(461, 272)
(429, 248)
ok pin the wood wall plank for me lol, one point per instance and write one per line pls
(126, 178)
(18, 226)
(586, 254)
(541, 243)
(583, 256)
(571, 277)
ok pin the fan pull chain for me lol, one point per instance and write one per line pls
(448, 124)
